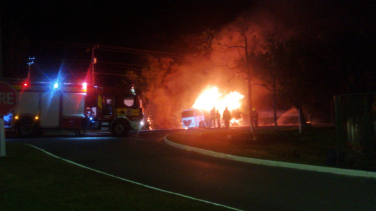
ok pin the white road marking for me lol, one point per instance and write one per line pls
(136, 183)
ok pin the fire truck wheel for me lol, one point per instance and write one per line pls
(79, 132)
(26, 128)
(121, 128)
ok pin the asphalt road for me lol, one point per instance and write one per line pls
(146, 159)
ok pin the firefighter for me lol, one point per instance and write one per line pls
(212, 118)
(255, 117)
(218, 117)
(226, 117)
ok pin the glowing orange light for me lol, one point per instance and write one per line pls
(234, 122)
(212, 98)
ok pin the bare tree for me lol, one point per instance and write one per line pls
(271, 47)
(248, 42)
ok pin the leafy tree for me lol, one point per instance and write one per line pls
(294, 69)
(265, 64)
(352, 53)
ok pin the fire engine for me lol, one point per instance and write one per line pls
(74, 106)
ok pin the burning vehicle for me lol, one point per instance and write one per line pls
(198, 115)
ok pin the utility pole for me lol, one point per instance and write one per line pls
(2, 131)
(31, 61)
(272, 40)
(274, 95)
(1, 56)
(93, 61)
(249, 83)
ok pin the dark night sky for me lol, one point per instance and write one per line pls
(146, 24)
(143, 23)
(140, 24)
(127, 23)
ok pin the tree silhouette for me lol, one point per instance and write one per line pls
(243, 36)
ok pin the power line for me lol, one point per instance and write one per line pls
(119, 63)
(138, 51)
(108, 48)
(127, 69)
(62, 44)
(113, 74)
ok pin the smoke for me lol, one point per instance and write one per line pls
(224, 66)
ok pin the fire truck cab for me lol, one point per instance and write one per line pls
(119, 109)
(193, 117)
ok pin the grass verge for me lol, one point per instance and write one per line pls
(33, 180)
(288, 145)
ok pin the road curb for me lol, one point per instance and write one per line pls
(323, 169)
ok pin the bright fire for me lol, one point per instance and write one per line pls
(212, 98)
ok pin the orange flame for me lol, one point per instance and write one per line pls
(212, 98)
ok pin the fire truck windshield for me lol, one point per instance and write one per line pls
(129, 101)
(188, 113)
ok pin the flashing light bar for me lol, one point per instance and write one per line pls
(56, 85)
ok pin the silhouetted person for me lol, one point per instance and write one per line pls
(226, 117)
(218, 117)
(212, 118)
(255, 117)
